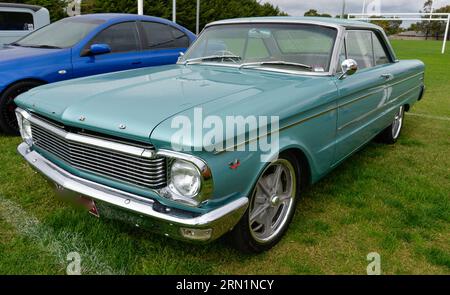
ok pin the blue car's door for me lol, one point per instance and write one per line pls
(161, 43)
(123, 39)
(364, 96)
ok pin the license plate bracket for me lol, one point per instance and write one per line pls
(90, 205)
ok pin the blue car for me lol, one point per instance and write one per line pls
(83, 46)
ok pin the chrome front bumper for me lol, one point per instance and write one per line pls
(138, 210)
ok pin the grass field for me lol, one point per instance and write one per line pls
(394, 200)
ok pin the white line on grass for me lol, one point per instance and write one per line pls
(430, 116)
(58, 244)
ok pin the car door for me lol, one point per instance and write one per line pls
(123, 39)
(363, 96)
(161, 43)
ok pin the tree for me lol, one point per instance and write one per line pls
(340, 16)
(433, 28)
(211, 10)
(391, 27)
(438, 27)
(313, 12)
(426, 27)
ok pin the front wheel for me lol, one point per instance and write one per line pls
(8, 121)
(392, 132)
(271, 207)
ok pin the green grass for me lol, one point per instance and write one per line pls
(394, 200)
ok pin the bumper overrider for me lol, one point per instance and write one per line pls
(140, 211)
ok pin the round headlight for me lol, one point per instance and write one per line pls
(185, 179)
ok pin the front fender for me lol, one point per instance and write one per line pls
(48, 69)
(233, 181)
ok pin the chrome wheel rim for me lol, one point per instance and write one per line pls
(397, 124)
(272, 201)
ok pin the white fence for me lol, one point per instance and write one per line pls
(407, 17)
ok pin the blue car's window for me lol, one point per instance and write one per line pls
(310, 45)
(161, 36)
(121, 37)
(16, 21)
(61, 34)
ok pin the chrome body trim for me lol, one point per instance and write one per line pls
(207, 183)
(231, 148)
(380, 89)
(377, 109)
(220, 220)
(405, 79)
(84, 139)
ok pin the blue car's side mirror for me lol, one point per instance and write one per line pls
(97, 49)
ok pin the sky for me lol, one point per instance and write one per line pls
(334, 7)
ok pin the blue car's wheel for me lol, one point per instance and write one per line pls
(8, 121)
(271, 206)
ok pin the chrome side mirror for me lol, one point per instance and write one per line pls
(180, 56)
(348, 67)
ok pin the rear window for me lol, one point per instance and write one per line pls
(16, 21)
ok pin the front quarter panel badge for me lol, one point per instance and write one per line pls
(235, 164)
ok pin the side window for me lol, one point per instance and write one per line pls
(359, 48)
(16, 21)
(161, 36)
(181, 40)
(380, 55)
(120, 37)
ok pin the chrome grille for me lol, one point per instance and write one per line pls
(135, 170)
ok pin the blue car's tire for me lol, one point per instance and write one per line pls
(271, 207)
(8, 121)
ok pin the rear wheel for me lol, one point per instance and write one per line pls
(271, 207)
(392, 133)
(8, 121)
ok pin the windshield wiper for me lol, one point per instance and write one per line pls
(211, 57)
(43, 46)
(276, 63)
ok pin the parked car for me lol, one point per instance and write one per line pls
(82, 46)
(18, 20)
(333, 84)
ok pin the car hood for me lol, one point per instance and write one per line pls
(132, 103)
(9, 54)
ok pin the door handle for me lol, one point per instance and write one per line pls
(387, 76)
(136, 62)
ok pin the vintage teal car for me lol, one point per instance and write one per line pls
(154, 146)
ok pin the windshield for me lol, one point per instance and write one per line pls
(61, 34)
(280, 46)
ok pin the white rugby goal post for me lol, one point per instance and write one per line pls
(140, 4)
(407, 17)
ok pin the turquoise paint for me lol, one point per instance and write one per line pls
(322, 116)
